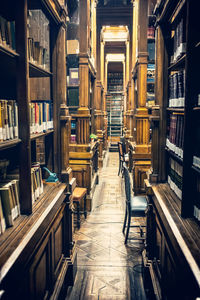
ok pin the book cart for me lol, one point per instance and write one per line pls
(172, 257)
(36, 248)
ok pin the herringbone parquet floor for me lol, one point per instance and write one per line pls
(107, 269)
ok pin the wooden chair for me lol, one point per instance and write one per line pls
(78, 196)
(123, 157)
(136, 206)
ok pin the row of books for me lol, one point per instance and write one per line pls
(8, 120)
(38, 38)
(196, 211)
(9, 203)
(7, 33)
(175, 175)
(115, 75)
(73, 138)
(41, 116)
(196, 161)
(36, 182)
(115, 81)
(150, 32)
(115, 87)
(177, 89)
(179, 40)
(150, 73)
(175, 137)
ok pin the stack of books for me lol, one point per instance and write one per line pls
(179, 40)
(175, 137)
(177, 89)
(9, 203)
(175, 176)
(41, 116)
(7, 33)
(36, 181)
(8, 120)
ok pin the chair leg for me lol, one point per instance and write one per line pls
(125, 219)
(127, 230)
(119, 167)
(85, 208)
(78, 215)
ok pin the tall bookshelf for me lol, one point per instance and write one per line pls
(174, 190)
(115, 106)
(30, 34)
(151, 62)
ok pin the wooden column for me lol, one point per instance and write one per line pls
(127, 61)
(65, 119)
(103, 64)
(83, 110)
(142, 145)
(22, 96)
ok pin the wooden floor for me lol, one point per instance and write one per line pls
(107, 269)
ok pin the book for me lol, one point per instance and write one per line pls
(175, 175)
(8, 120)
(7, 33)
(174, 139)
(8, 205)
(2, 219)
(36, 181)
(177, 89)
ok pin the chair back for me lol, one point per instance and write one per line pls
(127, 184)
(120, 149)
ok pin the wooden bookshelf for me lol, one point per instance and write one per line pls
(42, 219)
(176, 217)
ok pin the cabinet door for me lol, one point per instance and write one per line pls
(58, 233)
(40, 271)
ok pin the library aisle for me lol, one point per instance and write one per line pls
(107, 269)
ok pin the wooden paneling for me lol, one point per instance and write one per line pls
(172, 247)
(40, 272)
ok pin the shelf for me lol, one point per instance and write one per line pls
(196, 169)
(117, 92)
(176, 109)
(196, 108)
(38, 135)
(37, 71)
(174, 155)
(8, 51)
(179, 64)
(9, 144)
(72, 86)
